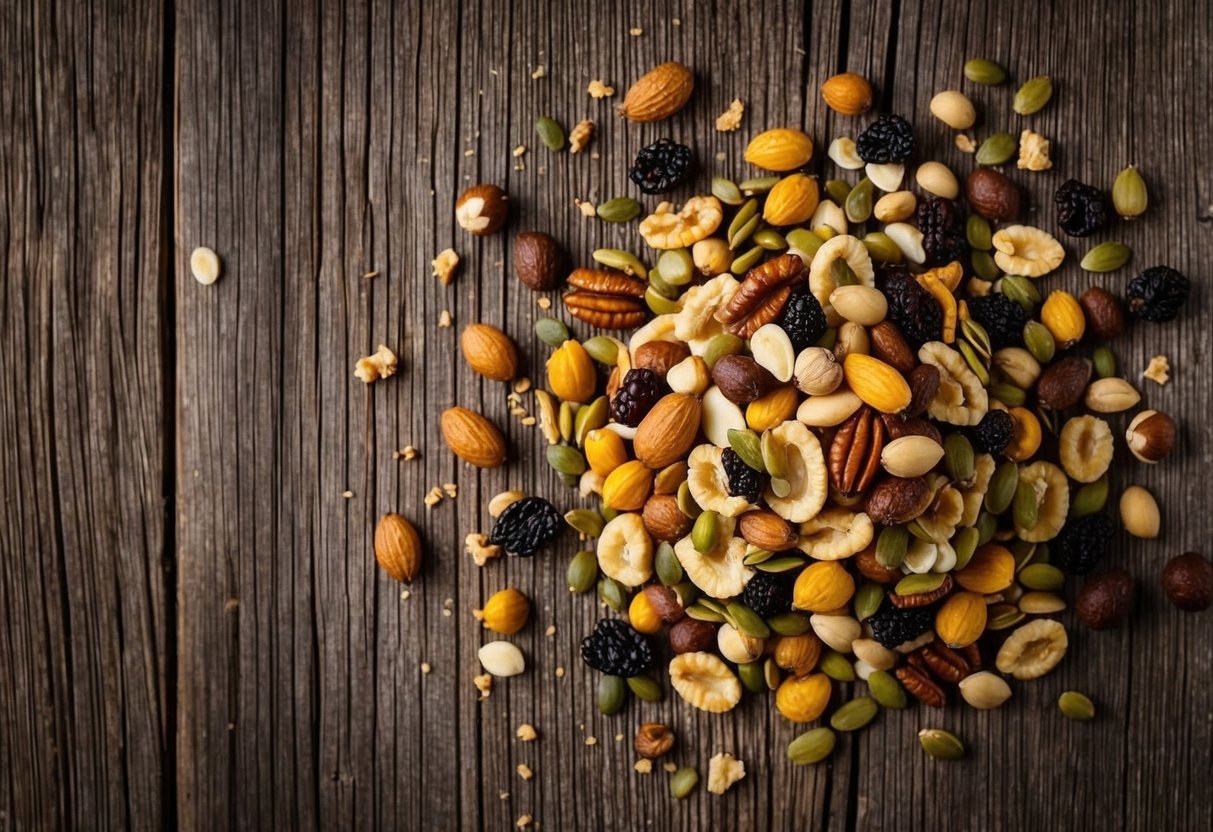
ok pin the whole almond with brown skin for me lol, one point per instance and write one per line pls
(663, 519)
(489, 352)
(767, 530)
(1105, 317)
(992, 195)
(1105, 599)
(847, 93)
(472, 437)
(664, 601)
(691, 635)
(398, 548)
(666, 433)
(660, 92)
(482, 209)
(897, 426)
(889, 345)
(924, 384)
(854, 458)
(898, 500)
(659, 356)
(1063, 383)
(868, 566)
(1188, 581)
(539, 261)
(741, 379)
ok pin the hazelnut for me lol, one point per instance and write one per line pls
(691, 635)
(1105, 599)
(659, 356)
(539, 261)
(924, 384)
(992, 195)
(663, 520)
(653, 740)
(1188, 581)
(665, 603)
(1062, 383)
(741, 379)
(897, 500)
(482, 209)
(1151, 436)
(1105, 317)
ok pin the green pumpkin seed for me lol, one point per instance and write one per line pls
(854, 714)
(747, 621)
(1090, 499)
(1076, 706)
(891, 546)
(838, 190)
(721, 345)
(996, 149)
(747, 445)
(551, 331)
(646, 688)
(1023, 552)
(978, 233)
(742, 263)
(608, 513)
(974, 361)
(881, 247)
(564, 421)
(658, 304)
(774, 456)
(1004, 617)
(1021, 290)
(987, 527)
(619, 209)
(613, 594)
(858, 203)
(676, 267)
(755, 556)
(585, 520)
(868, 600)
(1106, 257)
(686, 503)
(1026, 508)
(1008, 394)
(780, 487)
(683, 782)
(770, 239)
(811, 747)
(726, 190)
(1039, 341)
(752, 676)
(1033, 95)
(686, 593)
(583, 572)
(984, 265)
(1104, 361)
(789, 624)
(941, 744)
(958, 456)
(886, 690)
(612, 694)
(705, 531)
(1129, 194)
(665, 563)
(566, 460)
(828, 339)
(1002, 487)
(843, 274)
(569, 480)
(978, 338)
(837, 666)
(746, 217)
(915, 528)
(758, 185)
(590, 417)
(920, 584)
(1042, 576)
(701, 613)
(771, 673)
(779, 565)
(550, 133)
(621, 260)
(802, 239)
(1042, 553)
(965, 543)
(985, 72)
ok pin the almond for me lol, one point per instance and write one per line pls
(767, 530)
(889, 345)
(472, 438)
(398, 548)
(898, 500)
(489, 352)
(660, 92)
(667, 431)
(664, 520)
(847, 93)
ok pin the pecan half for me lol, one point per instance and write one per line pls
(889, 345)
(606, 299)
(921, 599)
(898, 426)
(855, 452)
(945, 663)
(972, 654)
(762, 295)
(919, 684)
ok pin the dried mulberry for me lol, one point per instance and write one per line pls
(616, 649)
(1157, 294)
(911, 307)
(743, 481)
(892, 625)
(640, 390)
(1082, 544)
(889, 139)
(1002, 319)
(943, 239)
(768, 594)
(1081, 209)
(661, 166)
(525, 526)
(802, 319)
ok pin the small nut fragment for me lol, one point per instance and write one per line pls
(705, 682)
(653, 740)
(730, 119)
(723, 771)
(444, 265)
(482, 209)
(205, 265)
(1159, 370)
(381, 364)
(1151, 436)
(665, 229)
(1033, 152)
(477, 545)
(580, 135)
(599, 89)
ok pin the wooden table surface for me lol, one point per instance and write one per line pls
(193, 631)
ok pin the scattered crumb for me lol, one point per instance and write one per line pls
(550, 631)
(723, 771)
(591, 740)
(539, 72)
(1033, 152)
(444, 266)
(544, 302)
(477, 545)
(433, 497)
(528, 421)
(493, 72)
(231, 605)
(522, 385)
(1159, 370)
(503, 795)
(526, 732)
(635, 31)
(369, 275)
(619, 738)
(594, 155)
(524, 821)
(469, 152)
(444, 319)
(598, 89)
(524, 771)
(965, 143)
(406, 453)
(451, 489)
(379, 365)
(405, 595)
(730, 119)
(586, 208)
(347, 494)
(484, 684)
(670, 767)
(426, 667)
(519, 150)
(580, 135)
(446, 613)
(560, 673)
(721, 156)
(643, 766)
(675, 22)
(541, 170)
(979, 288)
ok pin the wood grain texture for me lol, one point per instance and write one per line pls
(247, 665)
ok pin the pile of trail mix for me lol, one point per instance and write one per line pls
(834, 431)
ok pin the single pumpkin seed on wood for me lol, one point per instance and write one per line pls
(984, 71)
(645, 687)
(1033, 95)
(1106, 257)
(585, 520)
(1077, 706)
(1043, 577)
(566, 460)
(612, 694)
(726, 191)
(1089, 499)
(811, 746)
(1104, 361)
(854, 714)
(621, 260)
(790, 624)
(886, 690)
(941, 744)
(550, 133)
(1129, 194)
(619, 209)
(583, 572)
(666, 564)
(551, 331)
(996, 150)
(683, 782)
(613, 594)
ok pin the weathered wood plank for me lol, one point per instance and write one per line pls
(84, 638)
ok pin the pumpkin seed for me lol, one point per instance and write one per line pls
(1104, 361)
(1129, 195)
(838, 190)
(742, 263)
(608, 513)
(726, 190)
(1106, 257)
(958, 456)
(802, 239)
(770, 239)
(1026, 508)
(920, 584)
(811, 746)
(658, 304)
(613, 594)
(854, 714)
(985, 72)
(1008, 394)
(1023, 552)
(646, 688)
(566, 460)
(780, 487)
(1004, 617)
(619, 209)
(987, 527)
(745, 214)
(771, 673)
(583, 571)
(758, 185)
(996, 149)
(886, 690)
(747, 445)
(868, 600)
(658, 284)
(1033, 95)
(550, 133)
(676, 266)
(858, 202)
(977, 337)
(891, 546)
(590, 417)
(1090, 499)
(564, 421)
(752, 676)
(778, 565)
(701, 613)
(881, 247)
(1077, 706)
(755, 556)
(1039, 341)
(941, 744)
(984, 265)
(620, 260)
(789, 624)
(1021, 290)
(1002, 487)
(551, 331)
(915, 528)
(1044, 577)
(836, 666)
(665, 563)
(843, 274)
(585, 520)
(747, 621)
(726, 343)
(978, 233)
(974, 361)
(683, 782)
(774, 457)
(965, 544)
(705, 531)
(686, 503)
(612, 694)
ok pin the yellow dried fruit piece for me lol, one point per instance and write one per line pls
(627, 487)
(823, 587)
(834, 534)
(1063, 317)
(1027, 435)
(604, 451)
(961, 619)
(772, 410)
(940, 283)
(1085, 447)
(571, 373)
(803, 700)
(1033, 650)
(642, 615)
(879, 385)
(990, 570)
(781, 149)
(664, 229)
(792, 201)
(798, 654)
(1026, 250)
(506, 612)
(705, 682)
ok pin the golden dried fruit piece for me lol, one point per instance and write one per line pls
(1033, 650)
(990, 570)
(705, 682)
(482, 209)
(506, 612)
(1085, 447)
(876, 383)
(781, 149)
(627, 487)
(667, 431)
(798, 654)
(804, 699)
(489, 352)
(604, 451)
(659, 93)
(847, 93)
(1063, 317)
(823, 587)
(792, 201)
(961, 619)
(571, 373)
(398, 548)
(642, 615)
(472, 438)
(772, 409)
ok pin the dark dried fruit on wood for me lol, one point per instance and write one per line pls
(1188, 581)
(525, 526)
(889, 139)
(1081, 209)
(1157, 294)
(1062, 384)
(539, 261)
(1082, 543)
(616, 649)
(661, 166)
(1105, 599)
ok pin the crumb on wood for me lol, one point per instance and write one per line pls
(1159, 370)
(375, 273)
(426, 667)
(526, 732)
(599, 89)
(347, 494)
(484, 684)
(444, 319)
(965, 143)
(519, 150)
(586, 208)
(524, 771)
(635, 31)
(451, 489)
(539, 72)
(444, 265)
(1033, 152)
(544, 302)
(550, 631)
(581, 135)
(433, 497)
(643, 766)
(730, 119)
(478, 546)
(381, 364)
(591, 740)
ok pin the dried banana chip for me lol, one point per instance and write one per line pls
(835, 533)
(961, 398)
(709, 483)
(1025, 250)
(806, 473)
(721, 572)
(705, 682)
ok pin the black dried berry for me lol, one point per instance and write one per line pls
(1081, 209)
(1082, 543)
(889, 139)
(768, 594)
(892, 626)
(994, 432)
(616, 649)
(1002, 319)
(802, 319)
(911, 307)
(743, 481)
(525, 526)
(640, 390)
(661, 166)
(1157, 294)
(943, 239)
